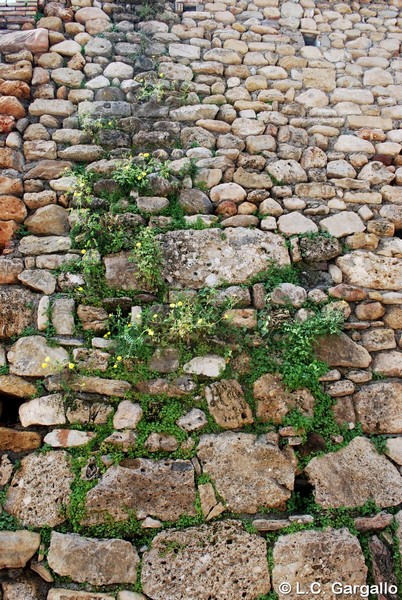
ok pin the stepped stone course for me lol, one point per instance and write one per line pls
(188, 198)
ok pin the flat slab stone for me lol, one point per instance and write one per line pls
(94, 561)
(28, 355)
(34, 40)
(323, 557)
(274, 400)
(353, 475)
(60, 594)
(198, 258)
(40, 491)
(248, 471)
(371, 270)
(378, 407)
(11, 385)
(17, 547)
(136, 485)
(220, 561)
(339, 350)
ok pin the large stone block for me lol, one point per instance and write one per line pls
(87, 560)
(17, 309)
(306, 558)
(370, 270)
(161, 489)
(248, 472)
(194, 259)
(353, 475)
(220, 561)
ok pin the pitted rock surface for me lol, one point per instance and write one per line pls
(325, 557)
(219, 561)
(248, 472)
(98, 562)
(227, 404)
(195, 259)
(378, 407)
(136, 485)
(353, 475)
(39, 492)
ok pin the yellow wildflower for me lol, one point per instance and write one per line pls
(83, 251)
(138, 245)
(225, 316)
(119, 358)
(144, 173)
(172, 305)
(146, 155)
(80, 289)
(161, 75)
(115, 366)
(180, 303)
(151, 332)
(47, 359)
(44, 366)
(71, 365)
(128, 325)
(199, 321)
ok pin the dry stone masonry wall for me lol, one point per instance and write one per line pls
(201, 300)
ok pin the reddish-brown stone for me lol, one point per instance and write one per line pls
(19, 89)
(7, 124)
(226, 209)
(347, 292)
(10, 159)
(18, 441)
(10, 185)
(48, 169)
(9, 105)
(12, 209)
(7, 232)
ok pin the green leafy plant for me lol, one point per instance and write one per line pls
(134, 173)
(147, 257)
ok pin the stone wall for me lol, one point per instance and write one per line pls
(192, 207)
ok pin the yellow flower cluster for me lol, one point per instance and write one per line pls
(46, 363)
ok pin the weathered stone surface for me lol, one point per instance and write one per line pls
(194, 259)
(287, 172)
(274, 401)
(193, 420)
(28, 354)
(16, 310)
(341, 351)
(98, 562)
(296, 223)
(40, 490)
(370, 270)
(97, 385)
(17, 547)
(353, 475)
(136, 485)
(48, 220)
(12, 209)
(34, 40)
(388, 364)
(227, 404)
(11, 385)
(46, 410)
(306, 558)
(68, 438)
(44, 245)
(210, 365)
(62, 594)
(127, 415)
(18, 441)
(122, 273)
(38, 280)
(240, 462)
(341, 224)
(221, 561)
(378, 407)
(55, 108)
